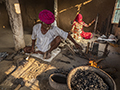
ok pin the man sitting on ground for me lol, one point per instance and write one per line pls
(46, 36)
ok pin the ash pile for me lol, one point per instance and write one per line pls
(87, 80)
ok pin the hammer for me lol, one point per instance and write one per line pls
(20, 83)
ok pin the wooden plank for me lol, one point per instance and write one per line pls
(21, 69)
(10, 70)
(17, 73)
(28, 73)
(30, 70)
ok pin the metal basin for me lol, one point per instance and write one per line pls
(106, 77)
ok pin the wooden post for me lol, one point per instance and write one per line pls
(96, 21)
(95, 48)
(108, 26)
(14, 12)
(87, 49)
(106, 51)
(55, 8)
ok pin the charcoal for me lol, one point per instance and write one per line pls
(87, 80)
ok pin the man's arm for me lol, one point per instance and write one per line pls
(33, 45)
(76, 44)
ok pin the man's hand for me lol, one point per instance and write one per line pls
(76, 44)
(33, 49)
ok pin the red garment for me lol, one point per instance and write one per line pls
(77, 28)
(86, 35)
(78, 18)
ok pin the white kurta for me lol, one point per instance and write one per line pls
(44, 40)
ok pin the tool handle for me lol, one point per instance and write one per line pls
(17, 88)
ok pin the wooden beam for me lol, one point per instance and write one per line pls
(56, 8)
(14, 12)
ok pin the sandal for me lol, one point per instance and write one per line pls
(46, 55)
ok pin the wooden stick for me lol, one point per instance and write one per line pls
(68, 46)
(87, 49)
(18, 87)
(106, 50)
(108, 25)
(96, 21)
(99, 60)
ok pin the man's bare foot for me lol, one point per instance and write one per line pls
(47, 55)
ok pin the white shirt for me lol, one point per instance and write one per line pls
(44, 40)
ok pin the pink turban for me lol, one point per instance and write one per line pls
(78, 18)
(46, 16)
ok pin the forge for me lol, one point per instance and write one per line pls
(107, 83)
(82, 78)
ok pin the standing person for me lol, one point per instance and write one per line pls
(47, 36)
(77, 28)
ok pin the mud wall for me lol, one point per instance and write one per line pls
(29, 11)
(67, 10)
(4, 23)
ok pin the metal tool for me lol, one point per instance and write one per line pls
(27, 58)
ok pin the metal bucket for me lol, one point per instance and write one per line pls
(106, 77)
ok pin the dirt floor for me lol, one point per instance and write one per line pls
(37, 72)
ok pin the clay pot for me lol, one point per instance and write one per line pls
(58, 81)
(106, 77)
